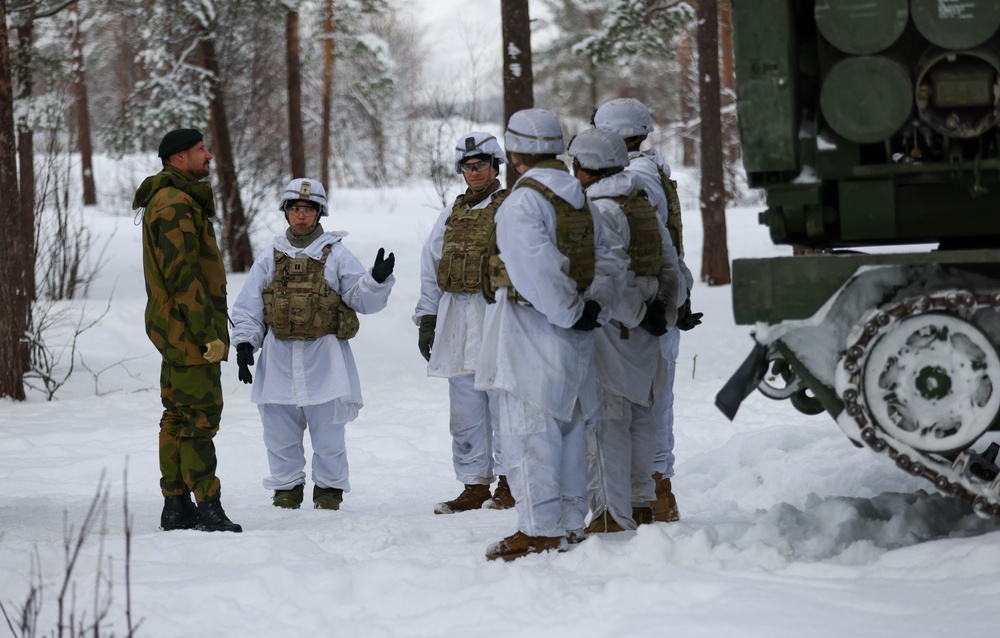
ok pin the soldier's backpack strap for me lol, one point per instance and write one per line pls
(674, 223)
(574, 233)
(645, 248)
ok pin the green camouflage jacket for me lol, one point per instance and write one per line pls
(185, 276)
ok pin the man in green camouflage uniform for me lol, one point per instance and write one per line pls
(186, 318)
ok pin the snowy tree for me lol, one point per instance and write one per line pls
(575, 79)
(634, 28)
(176, 89)
(576, 82)
(183, 88)
(378, 55)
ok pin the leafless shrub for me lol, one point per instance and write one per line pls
(51, 360)
(23, 620)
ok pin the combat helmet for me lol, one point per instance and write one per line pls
(302, 188)
(475, 144)
(534, 132)
(597, 149)
(625, 116)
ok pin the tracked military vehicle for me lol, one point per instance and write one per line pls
(873, 124)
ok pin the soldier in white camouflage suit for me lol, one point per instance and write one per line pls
(630, 119)
(555, 281)
(450, 318)
(630, 370)
(299, 306)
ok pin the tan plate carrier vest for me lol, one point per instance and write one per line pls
(574, 239)
(674, 223)
(465, 252)
(300, 305)
(645, 249)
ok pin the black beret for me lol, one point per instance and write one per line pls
(180, 140)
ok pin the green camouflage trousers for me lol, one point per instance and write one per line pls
(192, 402)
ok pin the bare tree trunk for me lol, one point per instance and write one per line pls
(715, 253)
(727, 62)
(730, 131)
(296, 139)
(324, 145)
(518, 83)
(22, 228)
(686, 60)
(25, 141)
(236, 239)
(78, 90)
(12, 295)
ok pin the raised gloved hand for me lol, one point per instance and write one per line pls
(383, 265)
(687, 319)
(425, 336)
(214, 350)
(244, 359)
(588, 320)
(655, 320)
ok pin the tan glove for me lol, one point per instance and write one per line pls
(214, 350)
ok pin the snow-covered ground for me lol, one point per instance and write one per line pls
(786, 530)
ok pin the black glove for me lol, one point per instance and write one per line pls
(425, 337)
(687, 319)
(383, 265)
(655, 320)
(244, 359)
(588, 320)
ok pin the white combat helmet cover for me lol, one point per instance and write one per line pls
(534, 132)
(595, 149)
(625, 116)
(307, 189)
(477, 143)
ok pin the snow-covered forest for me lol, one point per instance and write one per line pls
(786, 528)
(360, 94)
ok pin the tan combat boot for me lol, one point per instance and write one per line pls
(520, 544)
(502, 498)
(642, 515)
(471, 498)
(665, 505)
(603, 523)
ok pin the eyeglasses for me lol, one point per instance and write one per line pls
(302, 211)
(475, 167)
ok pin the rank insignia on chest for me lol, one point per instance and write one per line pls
(298, 266)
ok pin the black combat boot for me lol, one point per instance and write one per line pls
(327, 498)
(213, 517)
(179, 512)
(289, 499)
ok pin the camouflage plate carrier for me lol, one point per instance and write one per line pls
(674, 223)
(300, 305)
(645, 248)
(466, 248)
(574, 238)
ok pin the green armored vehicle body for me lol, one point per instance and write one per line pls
(877, 124)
